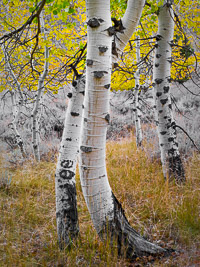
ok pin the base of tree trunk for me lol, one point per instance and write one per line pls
(176, 169)
(129, 243)
(67, 220)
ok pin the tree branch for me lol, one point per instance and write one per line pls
(177, 126)
(39, 8)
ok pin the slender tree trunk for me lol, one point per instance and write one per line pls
(106, 212)
(16, 112)
(136, 107)
(166, 126)
(16, 107)
(12, 74)
(35, 128)
(66, 205)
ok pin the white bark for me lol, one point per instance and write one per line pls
(166, 127)
(129, 23)
(15, 107)
(12, 74)
(106, 212)
(35, 128)
(16, 113)
(94, 181)
(66, 204)
(136, 107)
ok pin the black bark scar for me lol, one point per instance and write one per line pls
(75, 114)
(99, 74)
(94, 22)
(86, 149)
(89, 62)
(67, 174)
(67, 163)
(103, 49)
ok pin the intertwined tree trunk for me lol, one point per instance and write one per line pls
(66, 204)
(106, 212)
(166, 126)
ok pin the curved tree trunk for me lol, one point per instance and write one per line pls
(106, 212)
(66, 204)
(166, 126)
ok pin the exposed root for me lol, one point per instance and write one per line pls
(129, 242)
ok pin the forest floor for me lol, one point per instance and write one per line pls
(165, 213)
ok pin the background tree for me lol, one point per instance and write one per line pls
(137, 89)
(166, 126)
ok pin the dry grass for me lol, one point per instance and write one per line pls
(165, 213)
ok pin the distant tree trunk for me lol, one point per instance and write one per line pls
(166, 126)
(106, 212)
(35, 129)
(16, 106)
(66, 205)
(16, 112)
(136, 107)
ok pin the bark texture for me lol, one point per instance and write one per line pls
(129, 242)
(66, 204)
(166, 126)
(106, 212)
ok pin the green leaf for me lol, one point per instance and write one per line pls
(65, 4)
(31, 9)
(55, 12)
(71, 10)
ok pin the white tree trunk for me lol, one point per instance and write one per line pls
(136, 107)
(129, 23)
(95, 185)
(16, 107)
(35, 128)
(106, 212)
(16, 112)
(166, 126)
(66, 204)
(12, 74)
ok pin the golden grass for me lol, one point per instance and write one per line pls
(166, 213)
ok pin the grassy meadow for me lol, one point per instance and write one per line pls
(165, 213)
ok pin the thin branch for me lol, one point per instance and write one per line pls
(39, 8)
(177, 126)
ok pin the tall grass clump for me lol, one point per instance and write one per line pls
(165, 213)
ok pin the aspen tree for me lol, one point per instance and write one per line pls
(66, 204)
(106, 212)
(136, 109)
(40, 89)
(166, 126)
(16, 106)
